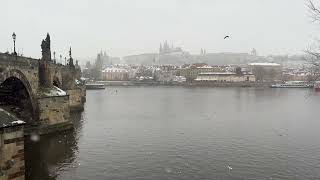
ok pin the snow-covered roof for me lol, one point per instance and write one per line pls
(205, 67)
(114, 69)
(264, 64)
(8, 120)
(218, 73)
(223, 73)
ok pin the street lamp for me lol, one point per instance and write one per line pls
(14, 36)
(54, 57)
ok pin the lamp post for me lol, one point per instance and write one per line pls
(54, 57)
(14, 36)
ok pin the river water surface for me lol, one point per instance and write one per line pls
(185, 133)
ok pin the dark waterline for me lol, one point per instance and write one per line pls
(185, 133)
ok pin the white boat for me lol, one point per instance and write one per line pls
(95, 86)
(293, 84)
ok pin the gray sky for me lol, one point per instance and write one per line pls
(125, 27)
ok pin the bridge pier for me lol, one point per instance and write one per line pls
(76, 98)
(54, 111)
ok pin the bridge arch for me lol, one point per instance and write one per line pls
(14, 85)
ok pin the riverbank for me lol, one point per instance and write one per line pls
(194, 84)
(139, 83)
(230, 84)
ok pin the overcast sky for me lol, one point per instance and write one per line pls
(126, 27)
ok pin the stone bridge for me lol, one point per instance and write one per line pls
(40, 91)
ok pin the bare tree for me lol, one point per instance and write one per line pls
(314, 10)
(314, 52)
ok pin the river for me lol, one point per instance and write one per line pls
(185, 133)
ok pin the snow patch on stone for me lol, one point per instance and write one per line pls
(17, 122)
(55, 91)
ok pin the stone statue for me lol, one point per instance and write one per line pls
(44, 68)
(70, 52)
(46, 50)
(71, 60)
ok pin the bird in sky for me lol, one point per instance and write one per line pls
(226, 37)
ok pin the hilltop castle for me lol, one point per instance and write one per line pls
(166, 49)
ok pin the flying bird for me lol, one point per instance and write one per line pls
(229, 167)
(226, 37)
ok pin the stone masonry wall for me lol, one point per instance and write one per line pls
(75, 99)
(83, 94)
(12, 153)
(68, 78)
(54, 113)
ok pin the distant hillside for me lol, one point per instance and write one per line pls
(145, 59)
(180, 58)
(227, 58)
